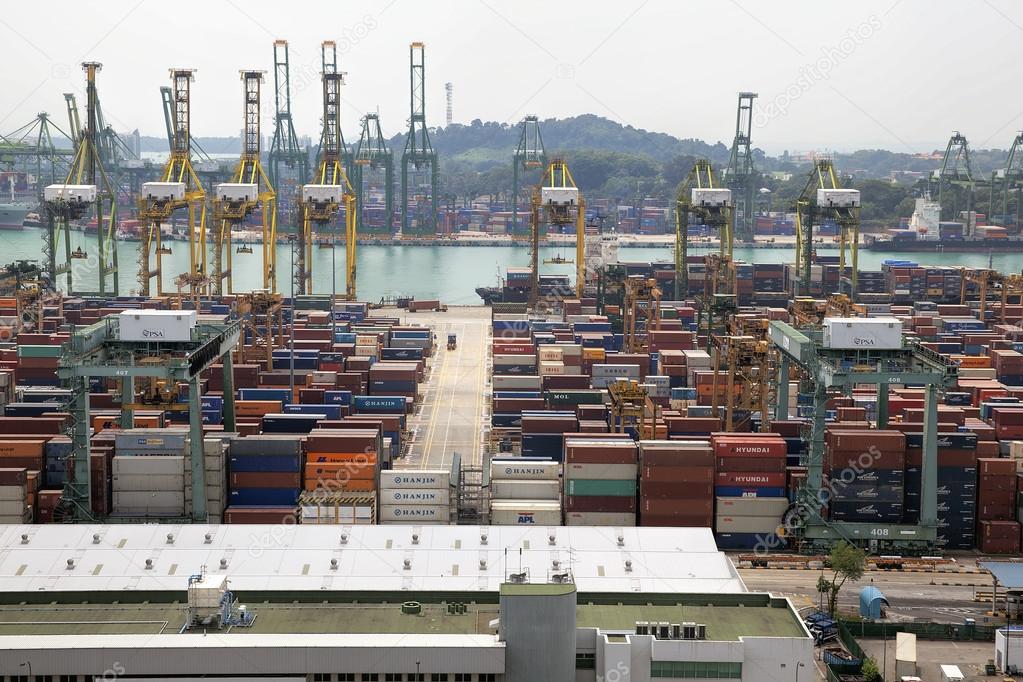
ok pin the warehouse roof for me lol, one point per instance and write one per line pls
(288, 558)
(1009, 574)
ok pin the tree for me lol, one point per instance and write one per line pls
(870, 671)
(846, 563)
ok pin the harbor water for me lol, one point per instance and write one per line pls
(448, 273)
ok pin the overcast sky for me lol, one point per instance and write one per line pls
(895, 74)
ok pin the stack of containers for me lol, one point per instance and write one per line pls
(551, 360)
(525, 491)
(341, 472)
(15, 505)
(600, 482)
(676, 484)
(214, 463)
(749, 488)
(866, 469)
(996, 506)
(265, 472)
(1008, 365)
(150, 476)
(542, 432)
(957, 487)
(415, 496)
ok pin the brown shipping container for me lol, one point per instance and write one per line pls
(677, 520)
(13, 477)
(600, 454)
(21, 448)
(734, 478)
(681, 457)
(855, 440)
(600, 503)
(746, 464)
(996, 467)
(749, 447)
(274, 515)
(665, 490)
(268, 479)
(676, 507)
(680, 474)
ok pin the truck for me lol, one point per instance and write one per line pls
(452, 342)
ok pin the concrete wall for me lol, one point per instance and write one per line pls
(539, 633)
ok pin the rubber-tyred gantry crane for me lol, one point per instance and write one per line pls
(322, 200)
(701, 195)
(557, 201)
(250, 188)
(824, 197)
(179, 187)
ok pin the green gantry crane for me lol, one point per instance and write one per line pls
(419, 156)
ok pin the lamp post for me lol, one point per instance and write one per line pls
(27, 664)
(417, 671)
(333, 292)
(798, 666)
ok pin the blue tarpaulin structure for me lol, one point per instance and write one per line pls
(1008, 574)
(871, 602)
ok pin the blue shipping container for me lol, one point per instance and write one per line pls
(264, 496)
(258, 463)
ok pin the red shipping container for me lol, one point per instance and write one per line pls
(284, 515)
(682, 457)
(747, 478)
(676, 507)
(737, 446)
(677, 474)
(675, 490)
(600, 454)
(600, 503)
(748, 464)
(856, 440)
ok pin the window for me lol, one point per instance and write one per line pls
(487, 677)
(413, 677)
(585, 661)
(69, 678)
(439, 677)
(392, 677)
(346, 677)
(370, 677)
(463, 677)
(317, 677)
(703, 670)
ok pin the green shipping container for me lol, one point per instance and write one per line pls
(39, 351)
(584, 486)
(574, 397)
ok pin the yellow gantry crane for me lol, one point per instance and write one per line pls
(992, 287)
(702, 196)
(824, 197)
(322, 200)
(641, 312)
(557, 201)
(179, 187)
(250, 188)
(742, 368)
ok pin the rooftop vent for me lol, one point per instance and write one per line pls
(415, 538)
(555, 564)
(149, 564)
(561, 578)
(70, 564)
(483, 539)
(333, 564)
(621, 540)
(483, 564)
(552, 540)
(24, 538)
(170, 538)
(344, 538)
(95, 538)
(223, 563)
(408, 564)
(628, 565)
(518, 578)
(208, 538)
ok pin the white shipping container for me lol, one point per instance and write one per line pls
(746, 524)
(130, 500)
(752, 506)
(12, 507)
(415, 513)
(609, 371)
(524, 470)
(156, 325)
(517, 383)
(13, 493)
(548, 353)
(697, 358)
(434, 496)
(525, 513)
(524, 359)
(599, 519)
(151, 482)
(507, 489)
(415, 479)
(571, 350)
(550, 368)
(866, 333)
(602, 472)
(149, 465)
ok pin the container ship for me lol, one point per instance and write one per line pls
(927, 232)
(12, 215)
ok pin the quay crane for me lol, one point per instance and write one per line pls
(529, 155)
(179, 187)
(701, 195)
(557, 201)
(824, 197)
(249, 189)
(321, 202)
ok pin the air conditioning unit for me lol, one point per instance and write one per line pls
(237, 192)
(163, 191)
(838, 198)
(711, 198)
(559, 196)
(71, 194)
(322, 194)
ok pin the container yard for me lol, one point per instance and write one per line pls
(731, 410)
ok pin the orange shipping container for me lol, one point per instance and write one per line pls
(972, 361)
(256, 408)
(353, 485)
(341, 471)
(21, 448)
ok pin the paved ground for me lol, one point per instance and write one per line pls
(456, 396)
(930, 596)
(969, 656)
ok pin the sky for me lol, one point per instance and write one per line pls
(893, 74)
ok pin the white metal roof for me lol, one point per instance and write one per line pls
(373, 558)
